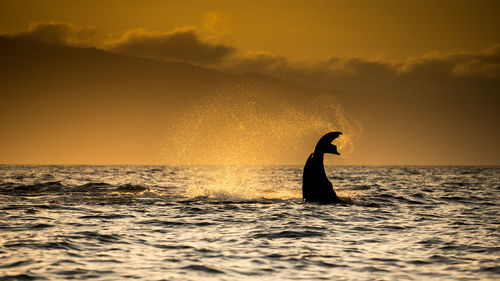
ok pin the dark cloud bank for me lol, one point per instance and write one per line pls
(182, 44)
(439, 108)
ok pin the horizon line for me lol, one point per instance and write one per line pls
(253, 165)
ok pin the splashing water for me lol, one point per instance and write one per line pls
(258, 128)
(236, 183)
(249, 124)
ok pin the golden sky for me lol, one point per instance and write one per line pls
(295, 29)
(408, 82)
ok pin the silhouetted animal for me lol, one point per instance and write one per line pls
(315, 184)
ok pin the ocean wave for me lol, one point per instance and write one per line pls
(288, 234)
(42, 246)
(17, 264)
(98, 222)
(202, 268)
(41, 188)
(22, 276)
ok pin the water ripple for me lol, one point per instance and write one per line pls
(139, 222)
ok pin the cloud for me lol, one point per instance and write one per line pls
(181, 44)
(439, 72)
(216, 24)
(477, 68)
(484, 64)
(255, 61)
(62, 33)
(185, 44)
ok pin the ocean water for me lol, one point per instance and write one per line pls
(237, 223)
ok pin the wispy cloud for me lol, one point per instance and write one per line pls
(216, 24)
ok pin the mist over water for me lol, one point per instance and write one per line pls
(247, 222)
(252, 124)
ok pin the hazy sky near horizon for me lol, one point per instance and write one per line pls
(410, 82)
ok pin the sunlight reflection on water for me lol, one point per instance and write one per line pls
(178, 223)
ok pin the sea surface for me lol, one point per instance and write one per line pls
(248, 223)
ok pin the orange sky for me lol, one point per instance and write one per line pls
(296, 29)
(408, 82)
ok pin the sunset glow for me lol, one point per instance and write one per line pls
(230, 82)
(250, 140)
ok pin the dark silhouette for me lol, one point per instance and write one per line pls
(315, 184)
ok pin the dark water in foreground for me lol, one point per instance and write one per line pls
(177, 223)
